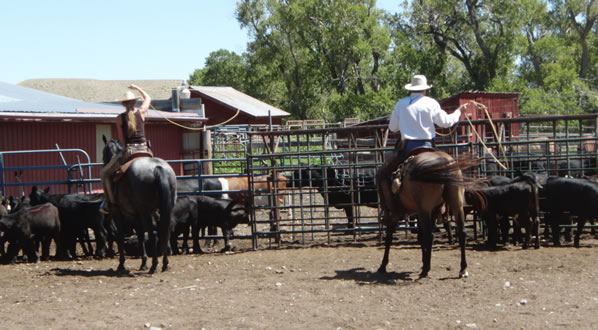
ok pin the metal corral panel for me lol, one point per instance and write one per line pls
(166, 142)
(20, 136)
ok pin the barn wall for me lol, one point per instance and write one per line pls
(166, 142)
(18, 136)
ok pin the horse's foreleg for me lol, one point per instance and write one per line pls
(447, 228)
(387, 242)
(120, 244)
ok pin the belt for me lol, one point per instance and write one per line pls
(144, 144)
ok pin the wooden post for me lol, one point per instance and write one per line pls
(206, 151)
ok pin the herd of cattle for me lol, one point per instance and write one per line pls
(503, 203)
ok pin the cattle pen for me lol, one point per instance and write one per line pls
(329, 191)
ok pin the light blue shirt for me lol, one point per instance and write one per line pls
(416, 115)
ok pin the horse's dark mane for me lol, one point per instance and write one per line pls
(112, 148)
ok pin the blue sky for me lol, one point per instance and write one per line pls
(117, 40)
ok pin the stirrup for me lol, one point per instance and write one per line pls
(104, 208)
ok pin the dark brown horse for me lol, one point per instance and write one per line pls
(430, 180)
(149, 185)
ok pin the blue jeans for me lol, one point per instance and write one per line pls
(410, 146)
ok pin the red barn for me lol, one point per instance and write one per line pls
(34, 120)
(498, 106)
(222, 103)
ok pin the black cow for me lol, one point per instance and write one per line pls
(78, 212)
(219, 213)
(184, 217)
(516, 199)
(574, 196)
(337, 186)
(25, 228)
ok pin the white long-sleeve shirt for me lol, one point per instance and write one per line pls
(415, 116)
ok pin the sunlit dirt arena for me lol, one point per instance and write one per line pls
(326, 286)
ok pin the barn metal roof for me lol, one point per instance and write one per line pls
(238, 100)
(22, 102)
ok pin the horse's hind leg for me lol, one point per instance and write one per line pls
(153, 250)
(141, 243)
(427, 238)
(387, 242)
(455, 200)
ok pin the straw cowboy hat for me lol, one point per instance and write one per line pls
(418, 83)
(129, 96)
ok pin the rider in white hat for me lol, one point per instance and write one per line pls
(130, 129)
(414, 117)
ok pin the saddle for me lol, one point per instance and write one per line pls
(131, 154)
(397, 176)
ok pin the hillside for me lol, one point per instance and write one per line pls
(92, 90)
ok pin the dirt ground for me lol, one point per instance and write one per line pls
(323, 286)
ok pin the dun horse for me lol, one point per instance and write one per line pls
(148, 185)
(430, 180)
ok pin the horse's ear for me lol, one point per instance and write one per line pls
(104, 138)
(34, 189)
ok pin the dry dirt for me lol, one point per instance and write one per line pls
(325, 286)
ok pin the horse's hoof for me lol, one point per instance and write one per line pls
(165, 268)
(463, 274)
(122, 270)
(153, 269)
(143, 268)
(423, 274)
(381, 270)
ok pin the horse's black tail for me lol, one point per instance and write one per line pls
(167, 198)
(443, 171)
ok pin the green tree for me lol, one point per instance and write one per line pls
(317, 48)
(480, 34)
(222, 68)
(577, 19)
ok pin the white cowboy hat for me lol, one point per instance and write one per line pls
(418, 83)
(129, 96)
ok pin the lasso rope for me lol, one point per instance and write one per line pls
(197, 128)
(500, 146)
(480, 105)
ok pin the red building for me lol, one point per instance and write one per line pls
(34, 120)
(222, 103)
(495, 105)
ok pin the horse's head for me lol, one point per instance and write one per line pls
(111, 148)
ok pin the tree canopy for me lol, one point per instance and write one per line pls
(333, 59)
